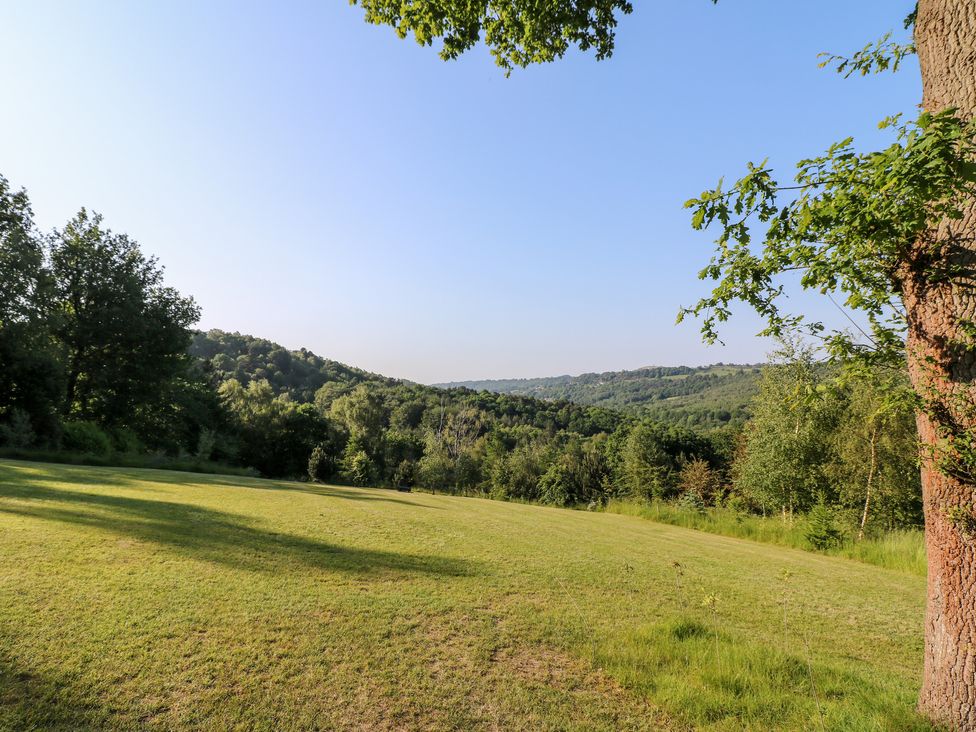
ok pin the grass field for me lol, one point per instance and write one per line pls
(900, 550)
(140, 599)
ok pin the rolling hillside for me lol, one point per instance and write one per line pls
(137, 599)
(704, 396)
(709, 396)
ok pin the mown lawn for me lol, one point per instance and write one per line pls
(900, 550)
(140, 599)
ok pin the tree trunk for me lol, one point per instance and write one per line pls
(944, 373)
(871, 470)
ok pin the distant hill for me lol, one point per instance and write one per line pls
(708, 396)
(704, 396)
(298, 373)
(301, 374)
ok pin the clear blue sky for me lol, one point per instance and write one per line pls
(317, 181)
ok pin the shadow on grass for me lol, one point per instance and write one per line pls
(320, 489)
(137, 477)
(203, 533)
(31, 701)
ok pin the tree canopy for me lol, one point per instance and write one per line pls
(518, 32)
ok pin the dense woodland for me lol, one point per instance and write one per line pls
(99, 358)
(706, 396)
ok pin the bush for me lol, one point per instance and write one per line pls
(698, 478)
(691, 501)
(738, 503)
(821, 531)
(17, 432)
(85, 437)
(321, 464)
(555, 486)
(357, 468)
(435, 471)
(127, 441)
(206, 442)
(405, 473)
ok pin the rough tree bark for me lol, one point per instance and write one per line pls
(945, 373)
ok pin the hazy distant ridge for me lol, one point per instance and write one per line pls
(698, 395)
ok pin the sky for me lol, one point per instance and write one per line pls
(314, 180)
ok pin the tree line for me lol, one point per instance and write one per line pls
(99, 357)
(700, 397)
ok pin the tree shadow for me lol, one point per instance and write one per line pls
(74, 475)
(203, 533)
(347, 493)
(32, 701)
(137, 477)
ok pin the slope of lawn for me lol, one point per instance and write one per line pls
(140, 599)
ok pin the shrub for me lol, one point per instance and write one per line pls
(127, 441)
(738, 503)
(555, 486)
(821, 531)
(357, 468)
(321, 464)
(697, 477)
(85, 437)
(206, 443)
(17, 432)
(405, 473)
(691, 501)
(435, 470)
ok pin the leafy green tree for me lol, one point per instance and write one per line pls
(468, 467)
(408, 414)
(515, 460)
(436, 469)
(648, 456)
(577, 474)
(297, 433)
(405, 474)
(517, 32)
(30, 376)
(322, 463)
(525, 465)
(184, 409)
(788, 440)
(22, 274)
(356, 466)
(400, 446)
(17, 431)
(645, 469)
(124, 333)
(558, 485)
(85, 437)
(876, 458)
(276, 435)
(364, 416)
(892, 234)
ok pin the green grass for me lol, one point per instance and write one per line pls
(141, 599)
(903, 551)
(125, 460)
